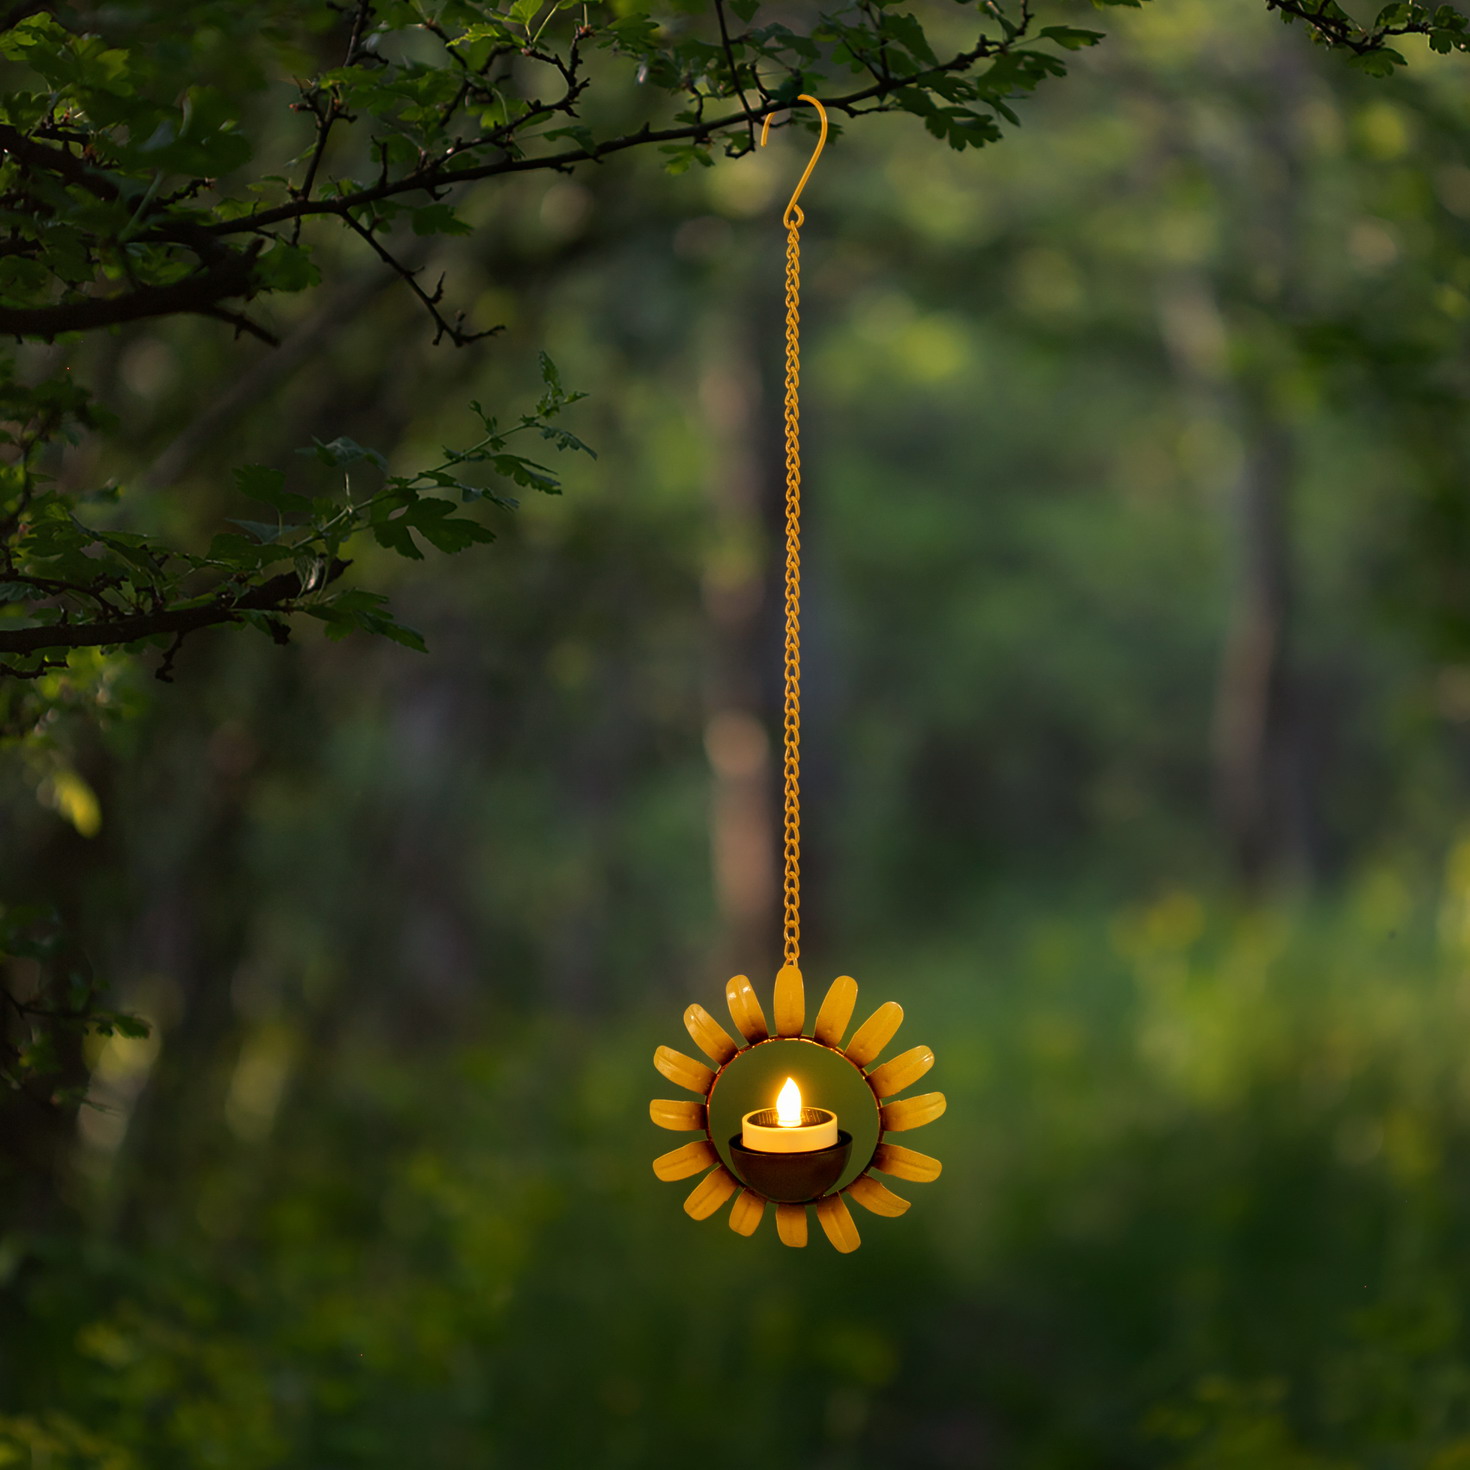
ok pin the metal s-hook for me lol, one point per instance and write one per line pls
(793, 215)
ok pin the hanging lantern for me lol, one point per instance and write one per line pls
(794, 1151)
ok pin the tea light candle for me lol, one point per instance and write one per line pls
(789, 1128)
(789, 1153)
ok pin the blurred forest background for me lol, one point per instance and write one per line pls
(1137, 769)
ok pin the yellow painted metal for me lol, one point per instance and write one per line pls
(874, 1034)
(793, 214)
(876, 1197)
(684, 1071)
(746, 1212)
(836, 1220)
(709, 1036)
(905, 1163)
(791, 1224)
(677, 1115)
(836, 1011)
(903, 1071)
(710, 1193)
(745, 1009)
(687, 1159)
(911, 1112)
(789, 1011)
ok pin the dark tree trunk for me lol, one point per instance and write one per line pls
(1264, 791)
(1257, 766)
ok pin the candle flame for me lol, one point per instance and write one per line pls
(788, 1104)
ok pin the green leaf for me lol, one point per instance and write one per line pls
(1380, 62)
(266, 532)
(343, 451)
(910, 34)
(395, 536)
(437, 219)
(237, 553)
(120, 1023)
(260, 482)
(435, 521)
(400, 633)
(1071, 37)
(286, 268)
(682, 156)
(565, 439)
(358, 609)
(582, 136)
(492, 30)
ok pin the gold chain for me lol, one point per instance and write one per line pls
(791, 720)
(791, 726)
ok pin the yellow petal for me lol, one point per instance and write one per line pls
(911, 1112)
(746, 1212)
(687, 1159)
(875, 1033)
(906, 1163)
(836, 1011)
(876, 1197)
(791, 1224)
(790, 1007)
(836, 1220)
(675, 1114)
(745, 1009)
(709, 1036)
(684, 1071)
(903, 1071)
(710, 1193)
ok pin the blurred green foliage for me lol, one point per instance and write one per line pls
(373, 1189)
(1202, 1205)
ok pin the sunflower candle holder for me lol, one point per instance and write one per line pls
(795, 1179)
(790, 1156)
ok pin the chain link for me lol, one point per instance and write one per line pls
(792, 218)
(791, 723)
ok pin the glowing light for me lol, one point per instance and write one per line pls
(788, 1104)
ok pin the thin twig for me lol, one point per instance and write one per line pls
(734, 69)
(430, 303)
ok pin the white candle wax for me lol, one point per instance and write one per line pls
(817, 1129)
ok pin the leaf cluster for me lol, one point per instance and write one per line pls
(50, 997)
(136, 183)
(67, 582)
(1445, 27)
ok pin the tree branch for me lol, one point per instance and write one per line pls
(1339, 29)
(55, 160)
(443, 327)
(439, 176)
(198, 294)
(731, 63)
(278, 595)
